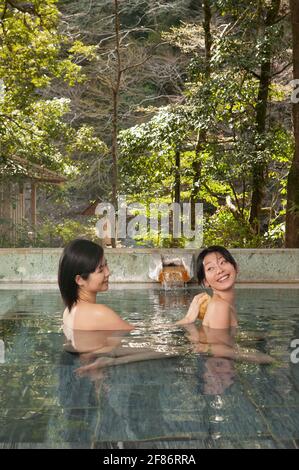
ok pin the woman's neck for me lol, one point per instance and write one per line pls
(227, 296)
(88, 297)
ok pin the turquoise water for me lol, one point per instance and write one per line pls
(188, 401)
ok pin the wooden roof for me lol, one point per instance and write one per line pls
(18, 167)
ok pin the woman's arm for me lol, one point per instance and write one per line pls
(238, 354)
(132, 356)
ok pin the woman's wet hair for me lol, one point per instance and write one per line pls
(212, 249)
(79, 257)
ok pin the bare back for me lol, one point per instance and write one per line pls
(89, 317)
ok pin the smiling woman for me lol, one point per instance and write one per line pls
(83, 272)
(217, 269)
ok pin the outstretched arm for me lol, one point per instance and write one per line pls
(235, 353)
(123, 358)
(220, 343)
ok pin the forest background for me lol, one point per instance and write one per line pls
(182, 101)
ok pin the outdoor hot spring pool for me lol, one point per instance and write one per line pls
(188, 401)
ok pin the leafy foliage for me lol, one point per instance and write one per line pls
(188, 116)
(31, 58)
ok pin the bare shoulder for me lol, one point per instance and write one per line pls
(218, 314)
(216, 304)
(99, 317)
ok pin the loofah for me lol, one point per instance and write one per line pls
(203, 307)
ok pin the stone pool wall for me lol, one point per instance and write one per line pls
(130, 265)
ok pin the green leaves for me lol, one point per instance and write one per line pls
(217, 126)
(33, 54)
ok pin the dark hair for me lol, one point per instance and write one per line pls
(212, 249)
(79, 257)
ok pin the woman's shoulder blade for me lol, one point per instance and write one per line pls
(98, 317)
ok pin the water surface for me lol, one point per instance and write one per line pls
(178, 402)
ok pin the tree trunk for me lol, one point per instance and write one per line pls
(292, 216)
(202, 135)
(175, 242)
(177, 177)
(208, 36)
(196, 167)
(259, 169)
(115, 102)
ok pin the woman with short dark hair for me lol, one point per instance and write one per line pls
(93, 330)
(217, 269)
(83, 272)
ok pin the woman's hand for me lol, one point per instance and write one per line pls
(193, 310)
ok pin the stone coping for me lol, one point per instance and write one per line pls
(144, 285)
(131, 265)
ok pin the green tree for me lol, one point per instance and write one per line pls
(226, 133)
(31, 58)
(133, 68)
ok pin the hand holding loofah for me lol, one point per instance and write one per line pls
(197, 309)
(203, 306)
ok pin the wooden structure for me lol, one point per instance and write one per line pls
(19, 180)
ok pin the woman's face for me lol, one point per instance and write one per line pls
(219, 273)
(98, 281)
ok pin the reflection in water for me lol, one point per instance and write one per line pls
(219, 374)
(138, 400)
(98, 349)
(109, 403)
(172, 299)
(44, 401)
